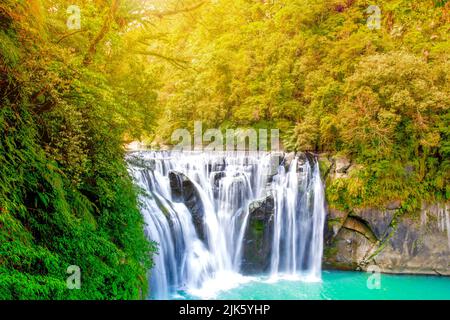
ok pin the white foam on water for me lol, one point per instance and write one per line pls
(222, 281)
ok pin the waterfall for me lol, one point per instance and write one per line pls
(200, 227)
(299, 220)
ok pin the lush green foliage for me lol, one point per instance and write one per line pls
(65, 195)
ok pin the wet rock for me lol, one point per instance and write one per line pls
(288, 158)
(379, 221)
(263, 206)
(303, 157)
(137, 161)
(326, 165)
(308, 156)
(216, 177)
(217, 165)
(183, 190)
(334, 222)
(258, 236)
(408, 243)
(359, 225)
(276, 159)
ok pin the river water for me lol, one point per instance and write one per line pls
(339, 285)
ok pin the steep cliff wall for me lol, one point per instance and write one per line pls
(396, 241)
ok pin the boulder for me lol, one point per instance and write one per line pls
(183, 190)
(216, 177)
(258, 236)
(342, 165)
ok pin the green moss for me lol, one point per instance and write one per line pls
(325, 166)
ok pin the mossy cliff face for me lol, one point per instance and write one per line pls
(396, 240)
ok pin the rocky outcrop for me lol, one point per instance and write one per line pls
(183, 190)
(342, 166)
(336, 166)
(216, 177)
(135, 159)
(395, 242)
(303, 157)
(287, 160)
(258, 236)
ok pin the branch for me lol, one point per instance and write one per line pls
(69, 35)
(103, 32)
(176, 62)
(161, 14)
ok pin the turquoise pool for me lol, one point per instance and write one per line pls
(338, 285)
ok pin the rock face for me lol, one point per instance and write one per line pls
(216, 177)
(183, 190)
(342, 166)
(396, 243)
(258, 236)
(135, 159)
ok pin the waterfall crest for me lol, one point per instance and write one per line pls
(196, 207)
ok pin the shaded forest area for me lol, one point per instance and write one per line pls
(71, 96)
(68, 98)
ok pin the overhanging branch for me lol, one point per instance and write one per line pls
(161, 14)
(175, 61)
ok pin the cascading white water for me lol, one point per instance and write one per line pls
(225, 185)
(299, 220)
